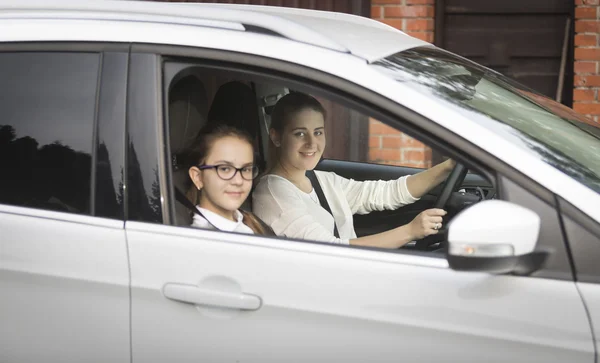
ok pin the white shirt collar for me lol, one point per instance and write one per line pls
(221, 223)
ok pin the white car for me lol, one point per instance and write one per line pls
(98, 262)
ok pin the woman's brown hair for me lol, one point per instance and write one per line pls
(197, 154)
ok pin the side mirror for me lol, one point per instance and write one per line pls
(497, 237)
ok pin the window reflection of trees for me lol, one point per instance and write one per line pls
(51, 176)
(546, 127)
(144, 204)
(432, 68)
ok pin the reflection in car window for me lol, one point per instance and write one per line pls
(559, 136)
(46, 130)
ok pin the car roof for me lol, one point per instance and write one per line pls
(359, 36)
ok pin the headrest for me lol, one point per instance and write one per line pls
(188, 103)
(235, 105)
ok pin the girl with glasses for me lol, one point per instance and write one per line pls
(222, 169)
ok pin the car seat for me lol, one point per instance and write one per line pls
(188, 103)
(235, 105)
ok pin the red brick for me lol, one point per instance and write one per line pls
(586, 13)
(587, 2)
(584, 67)
(586, 40)
(396, 23)
(587, 108)
(419, 24)
(584, 95)
(587, 26)
(391, 142)
(376, 12)
(587, 53)
(378, 128)
(384, 2)
(413, 155)
(412, 142)
(586, 81)
(408, 11)
(375, 142)
(420, 2)
(384, 155)
(416, 164)
(426, 36)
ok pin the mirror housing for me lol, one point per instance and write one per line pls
(495, 236)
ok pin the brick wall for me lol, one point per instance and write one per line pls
(587, 56)
(387, 145)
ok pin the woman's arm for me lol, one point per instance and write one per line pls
(426, 223)
(420, 184)
(364, 197)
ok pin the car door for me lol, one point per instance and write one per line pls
(63, 259)
(204, 295)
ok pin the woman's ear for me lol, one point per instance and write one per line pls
(196, 176)
(275, 137)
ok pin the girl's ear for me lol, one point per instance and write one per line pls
(196, 176)
(275, 137)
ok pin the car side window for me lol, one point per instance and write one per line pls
(48, 103)
(361, 138)
(357, 147)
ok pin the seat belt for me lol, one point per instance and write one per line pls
(268, 231)
(186, 202)
(310, 174)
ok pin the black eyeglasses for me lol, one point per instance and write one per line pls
(227, 172)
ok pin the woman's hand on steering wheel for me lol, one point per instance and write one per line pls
(454, 180)
(426, 223)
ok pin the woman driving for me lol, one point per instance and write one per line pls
(286, 200)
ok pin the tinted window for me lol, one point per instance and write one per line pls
(48, 104)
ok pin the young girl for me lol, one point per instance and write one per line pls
(222, 169)
(286, 201)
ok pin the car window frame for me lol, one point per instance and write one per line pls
(103, 102)
(360, 99)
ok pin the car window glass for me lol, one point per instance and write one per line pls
(48, 102)
(561, 138)
(358, 148)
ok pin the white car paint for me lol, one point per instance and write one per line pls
(496, 222)
(367, 305)
(65, 288)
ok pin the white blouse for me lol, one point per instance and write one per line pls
(294, 214)
(221, 223)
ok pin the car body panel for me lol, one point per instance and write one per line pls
(389, 305)
(335, 31)
(65, 287)
(591, 296)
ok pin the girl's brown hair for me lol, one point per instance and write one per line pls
(197, 154)
(285, 109)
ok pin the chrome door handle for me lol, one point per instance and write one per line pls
(199, 296)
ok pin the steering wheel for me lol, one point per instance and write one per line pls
(454, 180)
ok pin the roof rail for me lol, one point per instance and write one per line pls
(198, 15)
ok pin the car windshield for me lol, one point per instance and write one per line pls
(558, 135)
